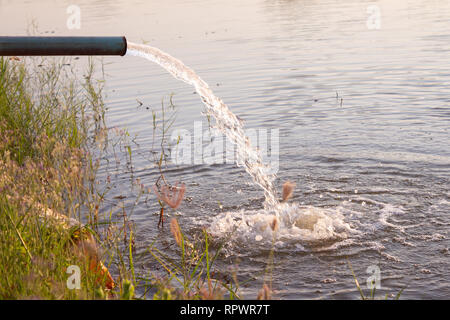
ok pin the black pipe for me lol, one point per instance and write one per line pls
(63, 46)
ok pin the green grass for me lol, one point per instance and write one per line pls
(47, 119)
(190, 276)
(52, 136)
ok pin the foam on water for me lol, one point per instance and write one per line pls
(295, 224)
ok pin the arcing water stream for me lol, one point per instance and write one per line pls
(281, 221)
(226, 121)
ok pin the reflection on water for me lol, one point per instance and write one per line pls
(363, 115)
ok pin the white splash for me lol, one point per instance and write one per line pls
(294, 225)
